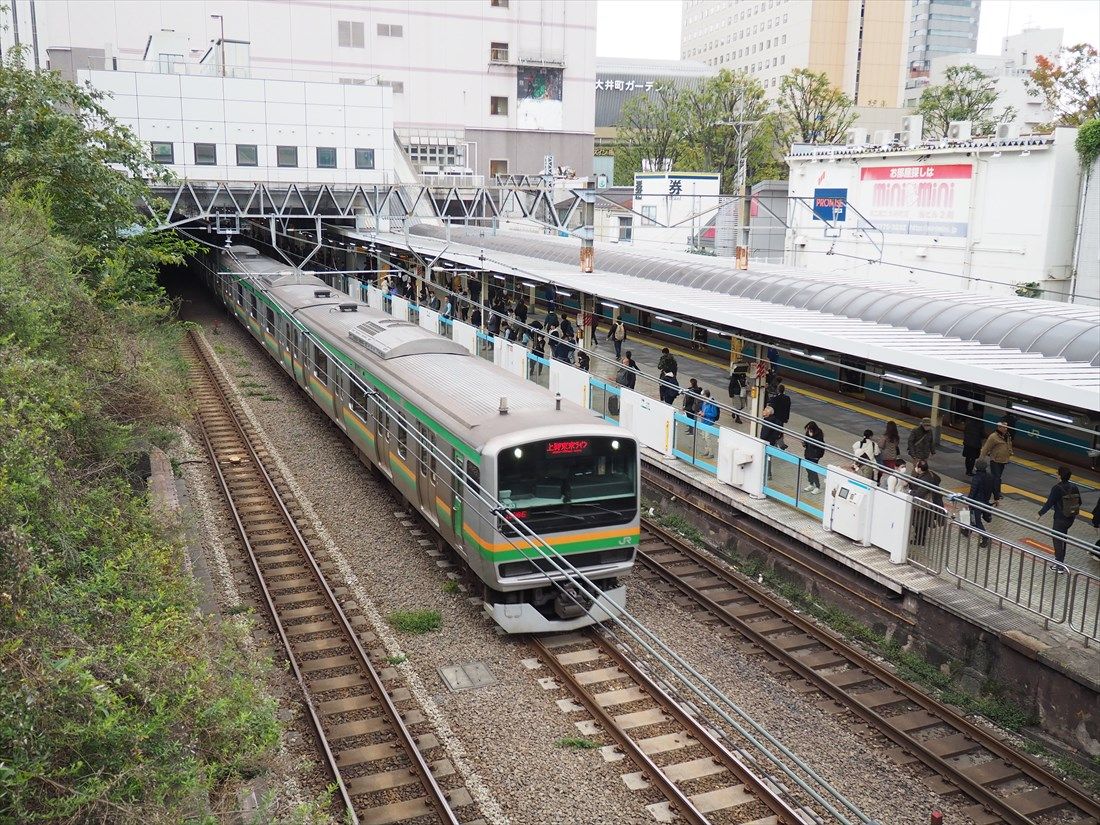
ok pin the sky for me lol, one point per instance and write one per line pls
(651, 28)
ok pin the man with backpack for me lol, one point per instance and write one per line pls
(1065, 501)
(618, 335)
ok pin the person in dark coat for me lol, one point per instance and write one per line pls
(769, 427)
(973, 439)
(738, 376)
(1065, 501)
(982, 487)
(693, 399)
(930, 510)
(814, 452)
(1096, 523)
(670, 388)
(781, 403)
(521, 311)
(633, 373)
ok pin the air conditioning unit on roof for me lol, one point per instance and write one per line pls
(912, 130)
(1008, 131)
(856, 137)
(959, 130)
(883, 137)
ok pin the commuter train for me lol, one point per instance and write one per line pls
(568, 476)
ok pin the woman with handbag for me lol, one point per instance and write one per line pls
(866, 452)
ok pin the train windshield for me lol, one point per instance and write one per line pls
(570, 484)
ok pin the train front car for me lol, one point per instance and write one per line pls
(576, 488)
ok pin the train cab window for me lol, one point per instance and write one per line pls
(320, 365)
(561, 483)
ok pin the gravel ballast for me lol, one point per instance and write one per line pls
(503, 737)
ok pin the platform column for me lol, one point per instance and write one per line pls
(588, 311)
(935, 414)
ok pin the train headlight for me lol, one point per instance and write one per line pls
(615, 444)
(517, 452)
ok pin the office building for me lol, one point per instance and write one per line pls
(492, 85)
(860, 44)
(938, 28)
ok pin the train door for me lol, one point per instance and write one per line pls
(426, 472)
(381, 424)
(851, 375)
(296, 357)
(450, 490)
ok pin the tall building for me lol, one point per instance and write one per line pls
(938, 28)
(860, 44)
(493, 85)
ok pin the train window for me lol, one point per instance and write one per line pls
(358, 397)
(320, 365)
(240, 294)
(402, 437)
(473, 472)
(270, 323)
(252, 305)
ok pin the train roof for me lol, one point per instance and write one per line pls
(439, 376)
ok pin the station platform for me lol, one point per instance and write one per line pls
(1026, 482)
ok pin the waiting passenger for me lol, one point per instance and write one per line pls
(813, 450)
(781, 403)
(709, 412)
(1065, 501)
(921, 445)
(973, 439)
(998, 449)
(693, 399)
(889, 446)
(667, 363)
(929, 510)
(866, 452)
(982, 486)
(670, 388)
(630, 362)
(738, 389)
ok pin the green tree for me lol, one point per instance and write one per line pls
(722, 116)
(967, 93)
(810, 109)
(1069, 84)
(58, 141)
(651, 130)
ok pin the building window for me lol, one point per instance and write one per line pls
(390, 30)
(170, 63)
(497, 106)
(649, 214)
(286, 155)
(398, 86)
(247, 154)
(326, 157)
(364, 158)
(498, 167)
(498, 52)
(206, 154)
(626, 228)
(349, 34)
(162, 152)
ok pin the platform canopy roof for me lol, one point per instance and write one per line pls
(1023, 347)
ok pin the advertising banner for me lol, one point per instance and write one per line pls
(926, 199)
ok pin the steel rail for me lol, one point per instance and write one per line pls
(980, 794)
(786, 815)
(436, 795)
(632, 749)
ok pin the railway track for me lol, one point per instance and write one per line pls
(1005, 785)
(680, 760)
(364, 740)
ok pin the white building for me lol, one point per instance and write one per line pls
(242, 129)
(1010, 69)
(665, 211)
(494, 85)
(860, 45)
(981, 215)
